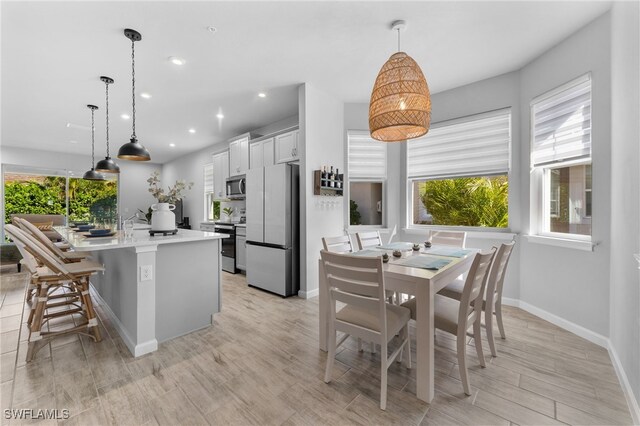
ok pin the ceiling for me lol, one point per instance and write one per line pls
(54, 52)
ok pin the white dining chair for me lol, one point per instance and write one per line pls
(456, 317)
(448, 238)
(492, 303)
(358, 282)
(368, 239)
(341, 244)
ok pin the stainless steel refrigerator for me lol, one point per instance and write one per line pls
(273, 235)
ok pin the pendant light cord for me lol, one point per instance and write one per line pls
(107, 114)
(398, 39)
(133, 87)
(93, 140)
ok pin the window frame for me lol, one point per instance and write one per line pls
(347, 188)
(408, 217)
(539, 197)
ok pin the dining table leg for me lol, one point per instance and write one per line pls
(323, 305)
(424, 343)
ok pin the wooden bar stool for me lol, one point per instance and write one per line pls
(56, 285)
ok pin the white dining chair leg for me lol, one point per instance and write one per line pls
(373, 347)
(462, 362)
(499, 318)
(488, 325)
(359, 344)
(383, 379)
(332, 352)
(477, 338)
(407, 349)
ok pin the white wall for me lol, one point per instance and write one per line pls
(625, 189)
(133, 175)
(190, 168)
(321, 143)
(569, 283)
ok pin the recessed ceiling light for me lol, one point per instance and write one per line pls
(212, 29)
(145, 95)
(220, 115)
(176, 61)
(172, 145)
(125, 116)
(68, 124)
(192, 130)
(262, 95)
(72, 141)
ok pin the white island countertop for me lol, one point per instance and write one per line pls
(140, 238)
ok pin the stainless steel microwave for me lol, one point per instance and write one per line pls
(236, 187)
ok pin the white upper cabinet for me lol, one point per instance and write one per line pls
(261, 154)
(239, 156)
(220, 174)
(286, 147)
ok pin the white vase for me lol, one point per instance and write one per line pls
(162, 218)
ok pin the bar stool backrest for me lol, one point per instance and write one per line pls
(28, 260)
(33, 230)
(42, 254)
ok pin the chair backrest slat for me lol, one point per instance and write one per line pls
(448, 238)
(368, 239)
(341, 244)
(355, 299)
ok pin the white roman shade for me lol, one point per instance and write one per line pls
(561, 123)
(367, 156)
(208, 178)
(477, 145)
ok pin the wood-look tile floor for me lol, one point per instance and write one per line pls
(259, 364)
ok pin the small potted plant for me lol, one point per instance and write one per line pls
(229, 212)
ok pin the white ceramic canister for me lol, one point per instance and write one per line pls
(162, 218)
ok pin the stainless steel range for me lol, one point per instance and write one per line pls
(228, 245)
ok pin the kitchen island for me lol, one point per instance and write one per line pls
(155, 288)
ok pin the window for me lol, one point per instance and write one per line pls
(458, 173)
(211, 205)
(38, 191)
(561, 161)
(367, 174)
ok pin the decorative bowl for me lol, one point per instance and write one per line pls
(416, 247)
(85, 227)
(385, 258)
(76, 224)
(99, 231)
(397, 253)
(427, 244)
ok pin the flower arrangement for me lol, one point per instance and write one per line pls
(174, 193)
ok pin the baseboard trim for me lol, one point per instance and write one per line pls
(598, 339)
(128, 341)
(632, 402)
(308, 294)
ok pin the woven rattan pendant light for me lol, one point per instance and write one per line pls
(400, 107)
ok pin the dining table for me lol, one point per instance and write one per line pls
(400, 276)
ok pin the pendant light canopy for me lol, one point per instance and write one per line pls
(92, 174)
(133, 150)
(107, 165)
(400, 107)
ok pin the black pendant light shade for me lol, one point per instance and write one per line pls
(133, 150)
(92, 174)
(107, 165)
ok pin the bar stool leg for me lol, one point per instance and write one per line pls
(87, 304)
(35, 326)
